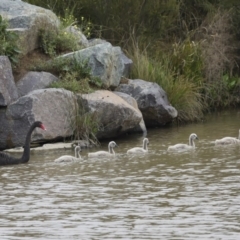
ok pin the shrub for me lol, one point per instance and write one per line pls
(186, 97)
(83, 124)
(86, 124)
(183, 92)
(222, 93)
(53, 43)
(186, 60)
(8, 42)
(218, 46)
(71, 83)
(220, 60)
(74, 76)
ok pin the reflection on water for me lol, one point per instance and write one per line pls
(161, 195)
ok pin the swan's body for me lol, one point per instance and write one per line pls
(69, 158)
(6, 159)
(110, 152)
(137, 150)
(228, 140)
(182, 146)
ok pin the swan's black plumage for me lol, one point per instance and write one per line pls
(6, 159)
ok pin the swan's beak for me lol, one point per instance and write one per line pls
(42, 127)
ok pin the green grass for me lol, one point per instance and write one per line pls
(71, 83)
(85, 124)
(8, 42)
(54, 43)
(74, 76)
(183, 93)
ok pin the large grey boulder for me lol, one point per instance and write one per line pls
(8, 90)
(152, 101)
(114, 115)
(130, 100)
(26, 20)
(33, 81)
(56, 108)
(105, 61)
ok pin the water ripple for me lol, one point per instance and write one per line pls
(191, 195)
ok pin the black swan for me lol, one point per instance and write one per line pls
(143, 149)
(182, 146)
(110, 152)
(5, 159)
(69, 158)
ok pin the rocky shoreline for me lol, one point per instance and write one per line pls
(132, 105)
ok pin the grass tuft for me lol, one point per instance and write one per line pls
(183, 92)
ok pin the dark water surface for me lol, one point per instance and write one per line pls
(190, 195)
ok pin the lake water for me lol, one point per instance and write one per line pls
(161, 195)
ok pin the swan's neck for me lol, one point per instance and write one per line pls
(110, 149)
(76, 153)
(191, 142)
(26, 152)
(145, 145)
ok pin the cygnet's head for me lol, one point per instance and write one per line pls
(145, 140)
(78, 148)
(194, 136)
(112, 144)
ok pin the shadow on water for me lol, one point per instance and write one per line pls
(159, 195)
